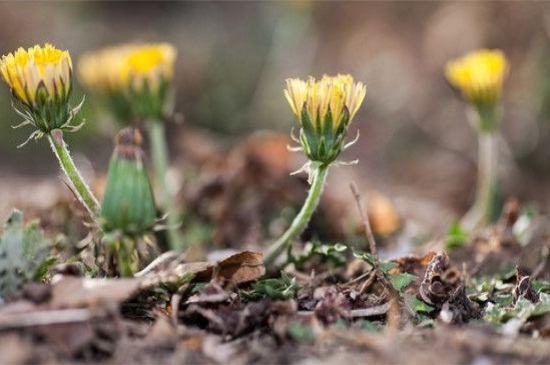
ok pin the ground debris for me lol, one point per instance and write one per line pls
(524, 289)
(443, 287)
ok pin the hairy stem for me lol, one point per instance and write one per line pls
(160, 161)
(299, 223)
(78, 185)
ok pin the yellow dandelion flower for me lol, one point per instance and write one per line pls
(135, 78)
(324, 108)
(338, 94)
(26, 70)
(151, 64)
(101, 71)
(479, 76)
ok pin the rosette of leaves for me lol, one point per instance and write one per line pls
(23, 254)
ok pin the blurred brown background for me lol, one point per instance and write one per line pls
(234, 57)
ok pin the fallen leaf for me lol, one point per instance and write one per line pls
(238, 268)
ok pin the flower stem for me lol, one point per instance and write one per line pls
(303, 217)
(159, 153)
(482, 211)
(80, 188)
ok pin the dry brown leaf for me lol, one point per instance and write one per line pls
(242, 267)
(239, 268)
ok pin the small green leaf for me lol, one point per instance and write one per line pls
(417, 305)
(401, 280)
(385, 266)
(283, 288)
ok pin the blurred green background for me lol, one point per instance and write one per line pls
(234, 57)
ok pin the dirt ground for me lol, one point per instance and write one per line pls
(450, 299)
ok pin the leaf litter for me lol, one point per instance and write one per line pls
(483, 297)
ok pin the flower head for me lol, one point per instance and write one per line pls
(151, 64)
(27, 71)
(134, 78)
(324, 108)
(101, 71)
(479, 76)
(41, 79)
(148, 72)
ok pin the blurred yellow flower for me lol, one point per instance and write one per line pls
(136, 78)
(479, 76)
(26, 70)
(113, 69)
(151, 64)
(101, 71)
(340, 95)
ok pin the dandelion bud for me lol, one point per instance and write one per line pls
(128, 204)
(324, 108)
(41, 79)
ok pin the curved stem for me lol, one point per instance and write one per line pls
(159, 152)
(299, 223)
(80, 188)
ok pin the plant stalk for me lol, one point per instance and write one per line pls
(482, 211)
(79, 186)
(159, 151)
(299, 223)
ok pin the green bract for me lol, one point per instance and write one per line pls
(320, 140)
(153, 103)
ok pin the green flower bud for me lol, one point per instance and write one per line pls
(128, 204)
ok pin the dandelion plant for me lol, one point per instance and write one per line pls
(324, 109)
(135, 80)
(40, 79)
(479, 76)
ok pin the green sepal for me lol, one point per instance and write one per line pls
(149, 103)
(328, 131)
(322, 142)
(488, 117)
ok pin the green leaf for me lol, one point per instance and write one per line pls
(385, 266)
(401, 280)
(283, 288)
(417, 305)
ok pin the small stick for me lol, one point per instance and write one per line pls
(370, 312)
(372, 243)
(366, 225)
